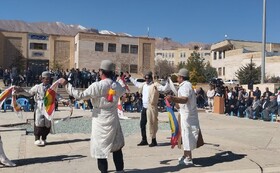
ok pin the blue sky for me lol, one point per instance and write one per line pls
(184, 21)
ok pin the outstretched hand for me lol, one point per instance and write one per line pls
(168, 97)
(127, 75)
(18, 89)
(63, 81)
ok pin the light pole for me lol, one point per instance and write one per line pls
(263, 42)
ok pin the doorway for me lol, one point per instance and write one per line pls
(38, 66)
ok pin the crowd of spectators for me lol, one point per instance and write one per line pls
(81, 78)
(242, 103)
(238, 102)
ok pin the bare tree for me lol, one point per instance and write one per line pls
(163, 68)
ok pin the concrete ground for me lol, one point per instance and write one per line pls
(232, 145)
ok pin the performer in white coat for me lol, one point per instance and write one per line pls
(106, 134)
(189, 117)
(3, 158)
(42, 125)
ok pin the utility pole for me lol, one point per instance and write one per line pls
(263, 43)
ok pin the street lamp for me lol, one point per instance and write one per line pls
(263, 42)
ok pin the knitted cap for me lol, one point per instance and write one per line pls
(183, 72)
(107, 65)
(46, 74)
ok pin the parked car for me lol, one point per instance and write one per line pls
(231, 81)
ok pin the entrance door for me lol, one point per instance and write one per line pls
(38, 66)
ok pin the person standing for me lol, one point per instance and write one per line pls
(150, 96)
(29, 76)
(190, 129)
(210, 96)
(42, 125)
(107, 135)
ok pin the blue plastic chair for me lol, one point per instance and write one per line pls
(273, 117)
(7, 105)
(24, 104)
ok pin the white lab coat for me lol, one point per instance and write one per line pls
(106, 133)
(189, 117)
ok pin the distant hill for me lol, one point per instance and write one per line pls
(59, 28)
(167, 44)
(55, 28)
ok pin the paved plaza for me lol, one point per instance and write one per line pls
(232, 145)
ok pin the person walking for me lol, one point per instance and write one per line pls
(190, 129)
(107, 135)
(150, 96)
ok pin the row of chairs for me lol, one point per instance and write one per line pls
(23, 102)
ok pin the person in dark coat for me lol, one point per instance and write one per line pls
(272, 107)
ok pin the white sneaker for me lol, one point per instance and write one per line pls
(43, 142)
(8, 163)
(185, 161)
(37, 142)
(181, 159)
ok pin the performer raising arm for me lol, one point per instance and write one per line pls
(106, 134)
(150, 92)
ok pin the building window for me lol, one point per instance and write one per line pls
(99, 47)
(133, 68)
(159, 53)
(207, 54)
(38, 46)
(220, 55)
(112, 47)
(214, 55)
(224, 71)
(220, 71)
(125, 48)
(134, 49)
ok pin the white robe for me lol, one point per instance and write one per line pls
(106, 133)
(189, 117)
(38, 91)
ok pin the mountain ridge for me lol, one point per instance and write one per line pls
(59, 28)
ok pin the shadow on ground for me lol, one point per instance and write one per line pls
(68, 141)
(59, 158)
(226, 156)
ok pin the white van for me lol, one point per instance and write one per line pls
(231, 81)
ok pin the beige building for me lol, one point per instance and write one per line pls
(229, 55)
(180, 55)
(13, 46)
(133, 54)
(36, 51)
(85, 50)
